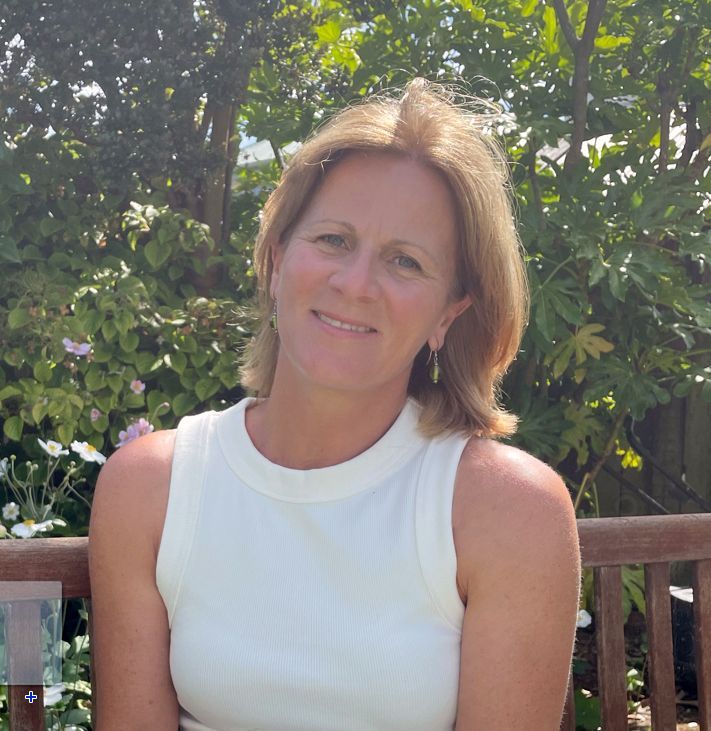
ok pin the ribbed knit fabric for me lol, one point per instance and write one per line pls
(311, 600)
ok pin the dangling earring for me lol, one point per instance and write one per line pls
(273, 321)
(434, 368)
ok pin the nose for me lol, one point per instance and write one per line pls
(356, 275)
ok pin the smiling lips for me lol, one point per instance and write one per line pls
(343, 325)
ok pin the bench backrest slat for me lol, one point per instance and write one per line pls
(702, 639)
(660, 645)
(611, 667)
(645, 539)
(22, 620)
(48, 559)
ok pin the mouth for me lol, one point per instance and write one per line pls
(344, 325)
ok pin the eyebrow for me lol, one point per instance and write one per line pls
(400, 242)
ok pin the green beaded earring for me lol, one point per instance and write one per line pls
(273, 321)
(434, 368)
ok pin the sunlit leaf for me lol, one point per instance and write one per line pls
(611, 42)
(550, 30)
(528, 7)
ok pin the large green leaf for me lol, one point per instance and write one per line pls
(183, 403)
(12, 428)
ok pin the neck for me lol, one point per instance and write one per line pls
(309, 429)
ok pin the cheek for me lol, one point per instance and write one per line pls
(417, 309)
(299, 268)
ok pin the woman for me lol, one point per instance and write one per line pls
(352, 550)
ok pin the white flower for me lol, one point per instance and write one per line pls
(28, 528)
(54, 694)
(584, 618)
(88, 452)
(11, 511)
(3, 531)
(3, 467)
(54, 449)
(137, 386)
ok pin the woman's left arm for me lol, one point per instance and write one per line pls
(518, 549)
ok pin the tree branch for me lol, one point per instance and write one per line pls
(581, 81)
(596, 8)
(277, 154)
(689, 61)
(701, 161)
(565, 24)
(227, 197)
(535, 188)
(666, 92)
(205, 121)
(591, 476)
(215, 179)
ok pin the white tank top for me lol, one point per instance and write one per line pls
(311, 600)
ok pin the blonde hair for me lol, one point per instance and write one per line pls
(423, 123)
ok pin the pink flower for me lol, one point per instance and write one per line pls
(77, 348)
(95, 414)
(137, 386)
(133, 431)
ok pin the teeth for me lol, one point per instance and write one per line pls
(343, 325)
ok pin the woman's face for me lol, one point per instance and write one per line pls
(376, 248)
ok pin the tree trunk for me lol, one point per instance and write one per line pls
(668, 450)
(582, 49)
(215, 187)
(216, 196)
(698, 426)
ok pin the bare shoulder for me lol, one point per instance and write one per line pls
(131, 633)
(138, 474)
(508, 505)
(518, 562)
(490, 471)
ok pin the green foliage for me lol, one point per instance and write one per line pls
(129, 79)
(118, 280)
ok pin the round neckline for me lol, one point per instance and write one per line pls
(321, 484)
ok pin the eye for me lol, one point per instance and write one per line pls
(410, 263)
(333, 239)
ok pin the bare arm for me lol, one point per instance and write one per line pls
(131, 639)
(520, 548)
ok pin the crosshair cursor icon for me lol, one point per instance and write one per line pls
(31, 697)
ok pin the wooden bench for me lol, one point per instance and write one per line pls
(606, 545)
(38, 559)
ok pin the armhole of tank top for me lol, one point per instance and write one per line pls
(187, 481)
(433, 526)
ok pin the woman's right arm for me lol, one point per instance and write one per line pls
(132, 686)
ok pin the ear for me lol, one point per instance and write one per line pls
(451, 314)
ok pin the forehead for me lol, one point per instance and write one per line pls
(377, 191)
